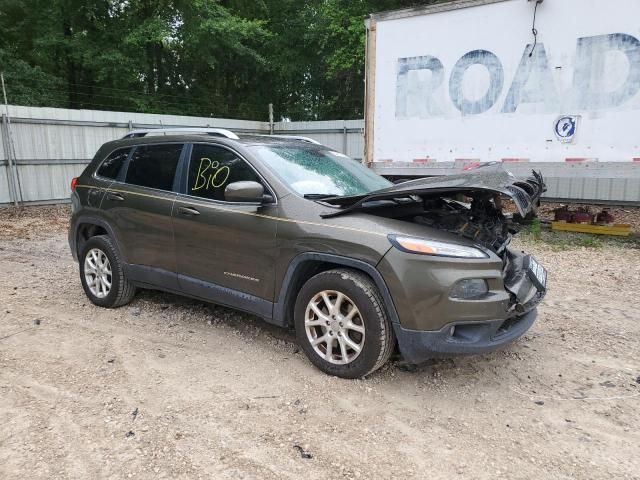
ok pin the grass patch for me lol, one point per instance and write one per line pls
(534, 230)
(536, 233)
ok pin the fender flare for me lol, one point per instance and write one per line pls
(284, 297)
(89, 219)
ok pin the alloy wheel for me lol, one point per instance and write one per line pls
(97, 272)
(334, 326)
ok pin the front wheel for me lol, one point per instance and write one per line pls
(341, 324)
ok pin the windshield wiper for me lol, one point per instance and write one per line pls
(320, 196)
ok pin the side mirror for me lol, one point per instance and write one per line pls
(245, 191)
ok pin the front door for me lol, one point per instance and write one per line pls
(225, 250)
(139, 210)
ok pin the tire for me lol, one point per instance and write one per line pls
(369, 328)
(121, 291)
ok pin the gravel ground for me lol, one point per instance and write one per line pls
(172, 388)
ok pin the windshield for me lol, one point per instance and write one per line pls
(314, 171)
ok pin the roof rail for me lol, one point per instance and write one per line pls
(198, 130)
(294, 137)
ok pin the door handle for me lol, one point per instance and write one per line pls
(115, 197)
(188, 211)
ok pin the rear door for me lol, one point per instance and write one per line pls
(139, 205)
(224, 250)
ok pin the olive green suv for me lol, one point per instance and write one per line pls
(307, 238)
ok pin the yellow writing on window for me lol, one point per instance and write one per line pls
(210, 175)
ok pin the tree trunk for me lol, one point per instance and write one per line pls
(71, 69)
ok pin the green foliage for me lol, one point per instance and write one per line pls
(534, 229)
(223, 58)
(561, 241)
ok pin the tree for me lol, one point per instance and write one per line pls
(227, 58)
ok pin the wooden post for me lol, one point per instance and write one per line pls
(271, 118)
(369, 89)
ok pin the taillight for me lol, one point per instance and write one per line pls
(74, 182)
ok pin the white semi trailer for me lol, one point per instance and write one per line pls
(552, 85)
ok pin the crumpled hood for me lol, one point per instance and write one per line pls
(491, 178)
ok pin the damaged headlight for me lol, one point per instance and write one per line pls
(434, 247)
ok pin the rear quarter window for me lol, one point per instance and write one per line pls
(112, 165)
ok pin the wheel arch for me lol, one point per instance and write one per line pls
(308, 264)
(86, 227)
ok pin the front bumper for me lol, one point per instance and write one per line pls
(417, 346)
(432, 324)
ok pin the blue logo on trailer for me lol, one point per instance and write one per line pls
(566, 128)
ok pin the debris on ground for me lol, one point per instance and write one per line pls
(303, 452)
(33, 222)
(616, 214)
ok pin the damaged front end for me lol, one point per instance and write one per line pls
(471, 204)
(481, 219)
(487, 205)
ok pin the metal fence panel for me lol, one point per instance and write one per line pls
(594, 181)
(53, 145)
(346, 136)
(53, 142)
(5, 197)
(606, 181)
(45, 182)
(101, 117)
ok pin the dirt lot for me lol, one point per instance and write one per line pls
(172, 388)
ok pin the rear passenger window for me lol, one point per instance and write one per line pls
(154, 166)
(112, 165)
(212, 168)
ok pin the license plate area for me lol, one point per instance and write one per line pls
(536, 273)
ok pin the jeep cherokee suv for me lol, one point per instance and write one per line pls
(305, 237)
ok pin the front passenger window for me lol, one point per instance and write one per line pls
(212, 168)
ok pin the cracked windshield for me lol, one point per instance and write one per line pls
(319, 172)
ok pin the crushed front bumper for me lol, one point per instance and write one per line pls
(417, 346)
(455, 327)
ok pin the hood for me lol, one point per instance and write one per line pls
(489, 178)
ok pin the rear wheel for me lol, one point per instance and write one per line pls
(341, 324)
(101, 274)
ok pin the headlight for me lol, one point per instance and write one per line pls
(433, 247)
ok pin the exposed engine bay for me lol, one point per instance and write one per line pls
(470, 204)
(482, 220)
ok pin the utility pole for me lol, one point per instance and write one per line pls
(11, 151)
(271, 118)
